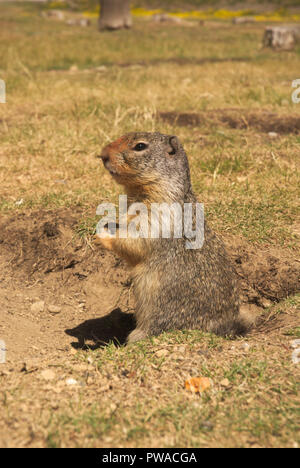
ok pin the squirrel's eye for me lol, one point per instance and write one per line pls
(140, 147)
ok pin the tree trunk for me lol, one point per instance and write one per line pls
(114, 14)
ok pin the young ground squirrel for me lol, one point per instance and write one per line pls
(174, 287)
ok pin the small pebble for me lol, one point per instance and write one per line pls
(295, 343)
(246, 346)
(225, 382)
(53, 309)
(47, 374)
(19, 202)
(162, 353)
(71, 381)
(296, 356)
(37, 306)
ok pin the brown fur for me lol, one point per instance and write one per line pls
(174, 287)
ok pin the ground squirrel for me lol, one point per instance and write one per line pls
(174, 287)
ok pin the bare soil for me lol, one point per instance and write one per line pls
(44, 261)
(262, 121)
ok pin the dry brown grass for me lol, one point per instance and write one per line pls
(61, 109)
(57, 120)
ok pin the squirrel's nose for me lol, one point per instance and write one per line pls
(104, 156)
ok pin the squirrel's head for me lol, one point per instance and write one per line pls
(151, 164)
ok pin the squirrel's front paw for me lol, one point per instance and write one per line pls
(106, 236)
(106, 242)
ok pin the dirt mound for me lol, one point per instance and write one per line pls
(46, 242)
(44, 263)
(42, 243)
(265, 275)
(262, 121)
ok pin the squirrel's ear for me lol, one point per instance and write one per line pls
(173, 145)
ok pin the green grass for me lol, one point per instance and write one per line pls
(258, 405)
(293, 332)
(56, 121)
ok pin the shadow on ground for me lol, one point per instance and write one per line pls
(95, 333)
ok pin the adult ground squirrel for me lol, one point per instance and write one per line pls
(174, 287)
